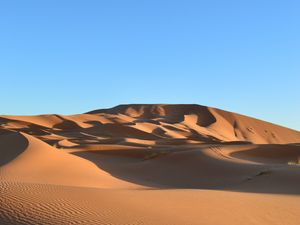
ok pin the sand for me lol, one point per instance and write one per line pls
(148, 164)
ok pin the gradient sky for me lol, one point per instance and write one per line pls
(75, 56)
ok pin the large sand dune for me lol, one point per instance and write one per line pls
(148, 164)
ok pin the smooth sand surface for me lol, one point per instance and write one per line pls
(148, 164)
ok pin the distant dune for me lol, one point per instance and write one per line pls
(148, 164)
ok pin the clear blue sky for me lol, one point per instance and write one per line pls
(75, 56)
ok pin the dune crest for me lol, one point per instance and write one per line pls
(222, 125)
(148, 164)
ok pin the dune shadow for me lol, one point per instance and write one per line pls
(193, 169)
(270, 153)
(12, 144)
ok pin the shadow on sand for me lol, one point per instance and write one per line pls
(194, 169)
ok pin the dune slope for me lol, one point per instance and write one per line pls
(148, 164)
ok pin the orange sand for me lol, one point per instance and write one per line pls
(148, 164)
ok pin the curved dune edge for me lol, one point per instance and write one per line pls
(223, 125)
(41, 163)
(148, 164)
(153, 123)
(12, 144)
(198, 167)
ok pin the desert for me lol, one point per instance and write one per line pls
(148, 164)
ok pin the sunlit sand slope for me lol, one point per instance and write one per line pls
(148, 164)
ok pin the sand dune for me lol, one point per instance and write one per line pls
(148, 164)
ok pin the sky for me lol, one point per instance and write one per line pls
(73, 56)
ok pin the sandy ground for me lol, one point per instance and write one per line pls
(148, 164)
